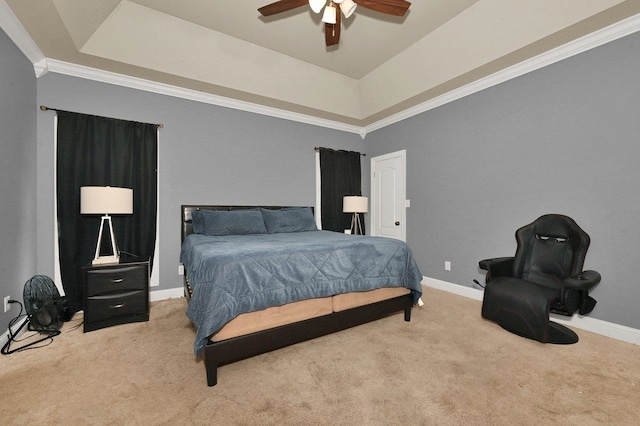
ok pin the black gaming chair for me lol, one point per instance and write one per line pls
(544, 276)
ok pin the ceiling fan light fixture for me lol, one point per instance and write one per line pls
(317, 5)
(329, 16)
(347, 7)
(332, 17)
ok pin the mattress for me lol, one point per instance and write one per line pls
(233, 275)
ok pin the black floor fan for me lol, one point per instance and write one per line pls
(45, 310)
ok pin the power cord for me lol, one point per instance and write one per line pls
(12, 336)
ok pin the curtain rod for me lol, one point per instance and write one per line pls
(46, 108)
(318, 148)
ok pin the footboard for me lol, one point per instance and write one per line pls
(227, 351)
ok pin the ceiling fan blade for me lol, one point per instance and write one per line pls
(281, 6)
(332, 31)
(390, 7)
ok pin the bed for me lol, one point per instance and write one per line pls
(260, 278)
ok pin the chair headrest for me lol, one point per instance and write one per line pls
(553, 244)
(554, 226)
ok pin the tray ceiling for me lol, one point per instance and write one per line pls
(382, 66)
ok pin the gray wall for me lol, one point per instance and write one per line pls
(18, 239)
(563, 139)
(208, 155)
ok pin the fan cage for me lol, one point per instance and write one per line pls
(41, 298)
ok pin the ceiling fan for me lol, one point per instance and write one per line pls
(332, 8)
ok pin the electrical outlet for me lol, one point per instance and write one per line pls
(447, 265)
(7, 306)
(181, 269)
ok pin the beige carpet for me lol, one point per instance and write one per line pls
(446, 367)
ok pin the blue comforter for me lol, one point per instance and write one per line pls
(234, 274)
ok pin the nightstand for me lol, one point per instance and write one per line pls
(115, 294)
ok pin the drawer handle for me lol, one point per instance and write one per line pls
(115, 297)
(119, 305)
(117, 281)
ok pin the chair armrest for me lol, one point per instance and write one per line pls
(584, 281)
(498, 266)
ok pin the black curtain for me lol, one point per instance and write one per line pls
(339, 176)
(98, 151)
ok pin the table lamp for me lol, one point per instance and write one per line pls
(356, 205)
(106, 200)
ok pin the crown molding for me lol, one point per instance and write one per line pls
(613, 32)
(16, 32)
(74, 70)
(12, 26)
(41, 68)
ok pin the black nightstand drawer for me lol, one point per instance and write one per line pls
(115, 294)
(116, 279)
(110, 306)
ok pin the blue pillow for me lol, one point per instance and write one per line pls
(289, 220)
(234, 222)
(197, 222)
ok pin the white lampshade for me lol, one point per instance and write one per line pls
(347, 7)
(317, 5)
(106, 200)
(355, 204)
(329, 16)
(338, 1)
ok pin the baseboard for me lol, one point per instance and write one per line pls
(172, 293)
(471, 293)
(604, 328)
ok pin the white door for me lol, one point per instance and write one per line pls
(388, 195)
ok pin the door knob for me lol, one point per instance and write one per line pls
(397, 223)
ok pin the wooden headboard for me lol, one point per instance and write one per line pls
(187, 210)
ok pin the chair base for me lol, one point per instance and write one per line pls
(522, 307)
(558, 334)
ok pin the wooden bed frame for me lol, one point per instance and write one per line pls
(238, 348)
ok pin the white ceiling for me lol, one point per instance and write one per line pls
(382, 66)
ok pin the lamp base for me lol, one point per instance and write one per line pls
(356, 225)
(102, 260)
(115, 256)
